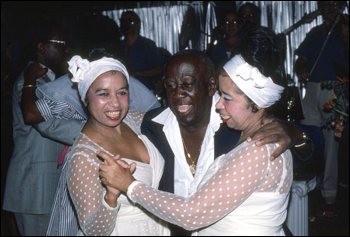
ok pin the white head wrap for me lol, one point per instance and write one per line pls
(85, 72)
(260, 89)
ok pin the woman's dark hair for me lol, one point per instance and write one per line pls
(261, 48)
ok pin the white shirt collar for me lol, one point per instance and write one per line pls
(185, 183)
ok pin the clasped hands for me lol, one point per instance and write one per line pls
(116, 174)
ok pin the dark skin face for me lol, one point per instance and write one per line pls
(231, 25)
(330, 10)
(189, 91)
(53, 54)
(129, 24)
(249, 18)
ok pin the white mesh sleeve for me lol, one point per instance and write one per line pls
(237, 176)
(94, 214)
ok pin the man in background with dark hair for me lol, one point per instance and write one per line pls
(33, 175)
(228, 47)
(249, 14)
(142, 56)
(315, 67)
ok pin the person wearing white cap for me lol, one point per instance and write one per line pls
(113, 129)
(243, 192)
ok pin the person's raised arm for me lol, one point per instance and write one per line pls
(60, 130)
(31, 114)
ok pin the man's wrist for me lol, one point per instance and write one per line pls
(128, 183)
(29, 86)
(111, 199)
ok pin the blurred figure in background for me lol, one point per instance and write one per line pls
(316, 66)
(142, 56)
(33, 175)
(228, 47)
(249, 14)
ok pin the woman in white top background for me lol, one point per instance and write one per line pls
(243, 192)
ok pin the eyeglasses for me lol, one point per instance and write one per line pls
(231, 22)
(128, 21)
(58, 41)
(248, 15)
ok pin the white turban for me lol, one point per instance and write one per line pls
(85, 72)
(260, 89)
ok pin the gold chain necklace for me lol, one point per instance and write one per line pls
(193, 165)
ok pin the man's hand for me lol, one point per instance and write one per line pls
(303, 76)
(277, 131)
(33, 72)
(300, 69)
(116, 173)
(31, 113)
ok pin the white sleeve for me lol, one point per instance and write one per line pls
(94, 214)
(235, 180)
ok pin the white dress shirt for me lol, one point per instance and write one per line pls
(186, 184)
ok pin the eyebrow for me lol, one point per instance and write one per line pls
(106, 89)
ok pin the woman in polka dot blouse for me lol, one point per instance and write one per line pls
(243, 192)
(113, 129)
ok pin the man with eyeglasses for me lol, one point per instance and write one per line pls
(249, 14)
(228, 47)
(33, 174)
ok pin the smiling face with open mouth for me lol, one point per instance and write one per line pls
(233, 106)
(108, 99)
(188, 90)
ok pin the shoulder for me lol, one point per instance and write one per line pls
(152, 114)
(253, 153)
(254, 149)
(84, 146)
(136, 116)
(316, 31)
(19, 82)
(147, 41)
(148, 126)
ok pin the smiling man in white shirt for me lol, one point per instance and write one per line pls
(190, 134)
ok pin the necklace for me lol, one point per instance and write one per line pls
(193, 165)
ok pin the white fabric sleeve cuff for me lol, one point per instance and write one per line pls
(131, 188)
(109, 208)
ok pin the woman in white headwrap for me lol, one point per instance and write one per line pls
(243, 192)
(113, 129)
